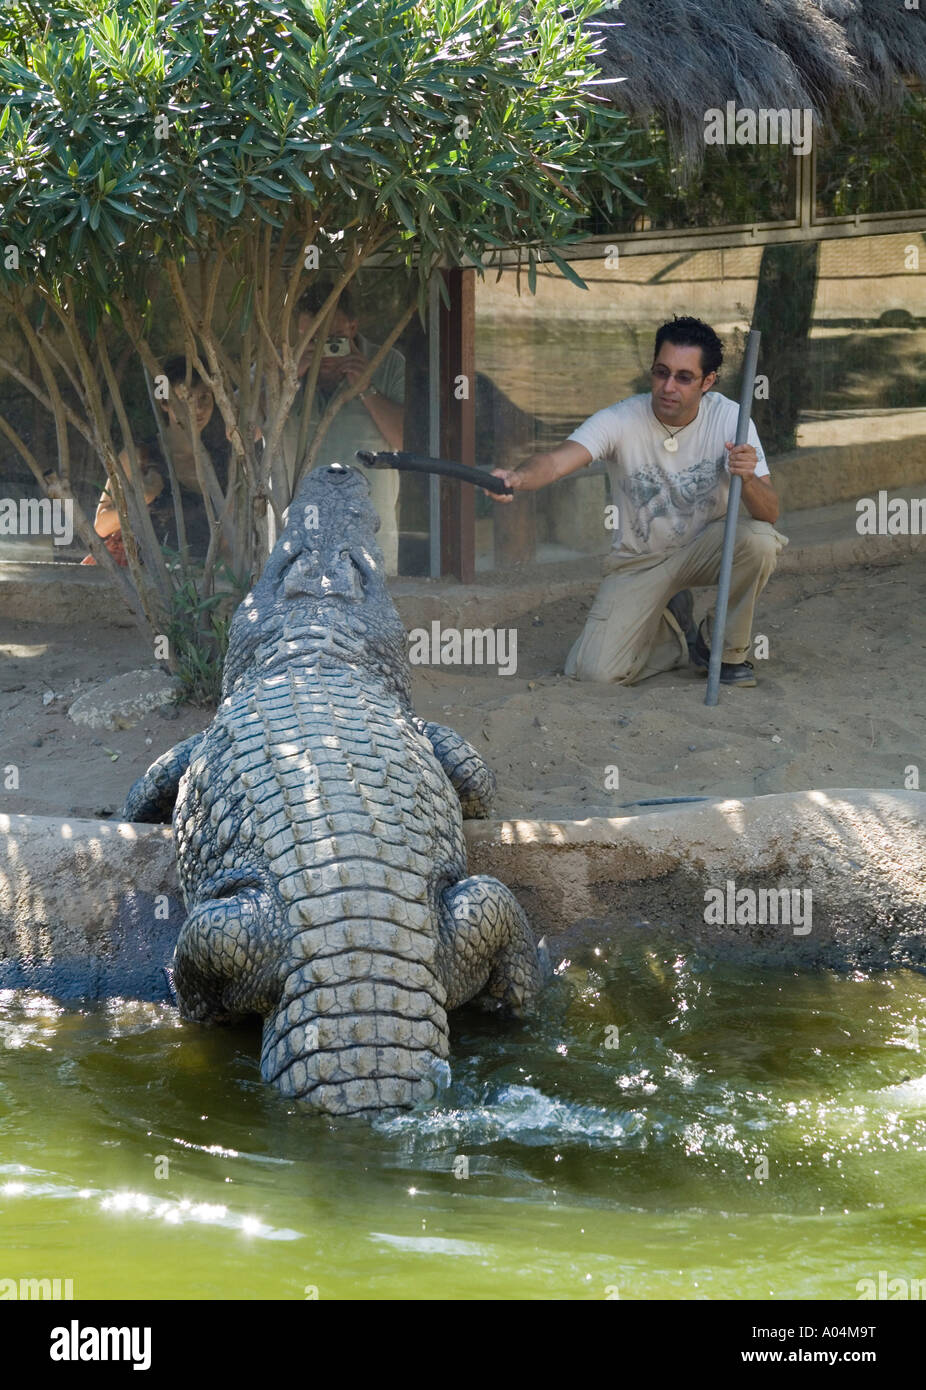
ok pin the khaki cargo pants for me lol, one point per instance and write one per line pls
(630, 634)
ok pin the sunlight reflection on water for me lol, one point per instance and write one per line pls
(755, 1097)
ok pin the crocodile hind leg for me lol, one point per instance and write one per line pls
(152, 797)
(472, 780)
(487, 949)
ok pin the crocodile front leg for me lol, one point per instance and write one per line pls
(472, 780)
(487, 949)
(152, 797)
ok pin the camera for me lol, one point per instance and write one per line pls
(336, 347)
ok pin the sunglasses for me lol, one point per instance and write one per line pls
(662, 373)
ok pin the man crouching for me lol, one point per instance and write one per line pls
(669, 454)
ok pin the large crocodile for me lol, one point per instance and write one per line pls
(318, 825)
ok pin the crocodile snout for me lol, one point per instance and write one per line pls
(311, 576)
(341, 474)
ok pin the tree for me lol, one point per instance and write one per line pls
(783, 314)
(232, 150)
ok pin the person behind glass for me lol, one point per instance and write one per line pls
(207, 422)
(373, 420)
(106, 522)
(670, 453)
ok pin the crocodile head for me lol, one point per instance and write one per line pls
(323, 589)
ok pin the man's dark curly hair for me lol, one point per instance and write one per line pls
(691, 332)
(312, 299)
(175, 371)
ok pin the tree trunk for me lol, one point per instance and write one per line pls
(783, 314)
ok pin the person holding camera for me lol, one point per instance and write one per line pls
(373, 420)
(670, 454)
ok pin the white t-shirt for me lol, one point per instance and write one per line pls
(664, 499)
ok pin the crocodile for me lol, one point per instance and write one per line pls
(318, 824)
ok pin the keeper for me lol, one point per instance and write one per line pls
(669, 454)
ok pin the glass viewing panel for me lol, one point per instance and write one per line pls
(847, 375)
(881, 168)
(736, 185)
(379, 298)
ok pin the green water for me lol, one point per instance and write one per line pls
(594, 1171)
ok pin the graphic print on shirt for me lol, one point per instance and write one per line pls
(657, 493)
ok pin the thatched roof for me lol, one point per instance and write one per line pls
(681, 58)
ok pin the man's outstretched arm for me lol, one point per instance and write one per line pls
(541, 469)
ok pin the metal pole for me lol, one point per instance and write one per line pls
(434, 401)
(729, 533)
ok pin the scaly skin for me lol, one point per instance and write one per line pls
(319, 834)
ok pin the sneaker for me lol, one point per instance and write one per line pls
(731, 673)
(682, 609)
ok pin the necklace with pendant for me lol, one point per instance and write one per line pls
(671, 443)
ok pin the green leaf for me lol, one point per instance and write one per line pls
(299, 179)
(404, 212)
(566, 269)
(124, 208)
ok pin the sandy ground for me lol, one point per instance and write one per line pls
(841, 703)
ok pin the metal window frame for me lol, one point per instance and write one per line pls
(864, 223)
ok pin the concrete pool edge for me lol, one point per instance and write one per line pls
(92, 908)
(859, 853)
